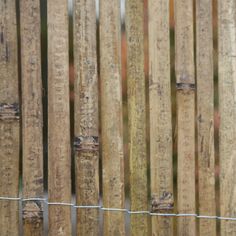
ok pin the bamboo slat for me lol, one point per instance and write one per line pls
(9, 119)
(86, 116)
(185, 78)
(227, 109)
(32, 121)
(205, 115)
(59, 154)
(111, 116)
(137, 115)
(160, 117)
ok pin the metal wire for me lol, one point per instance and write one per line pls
(45, 200)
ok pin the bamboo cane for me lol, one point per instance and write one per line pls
(205, 114)
(86, 116)
(160, 117)
(31, 116)
(111, 116)
(59, 174)
(227, 91)
(185, 114)
(9, 120)
(137, 115)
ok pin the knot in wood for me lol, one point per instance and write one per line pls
(32, 211)
(86, 143)
(185, 86)
(9, 112)
(164, 203)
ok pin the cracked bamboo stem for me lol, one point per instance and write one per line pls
(59, 153)
(227, 109)
(160, 117)
(32, 120)
(205, 114)
(111, 116)
(137, 115)
(185, 78)
(86, 116)
(9, 126)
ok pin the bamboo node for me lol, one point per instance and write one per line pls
(9, 112)
(165, 203)
(86, 143)
(185, 86)
(32, 211)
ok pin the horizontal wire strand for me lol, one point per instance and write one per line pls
(45, 200)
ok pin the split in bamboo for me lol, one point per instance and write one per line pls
(86, 116)
(32, 121)
(59, 154)
(111, 116)
(9, 119)
(185, 78)
(162, 198)
(205, 115)
(137, 115)
(227, 109)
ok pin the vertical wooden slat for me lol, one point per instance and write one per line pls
(227, 108)
(59, 161)
(111, 116)
(185, 79)
(137, 115)
(9, 120)
(160, 117)
(32, 121)
(205, 115)
(86, 116)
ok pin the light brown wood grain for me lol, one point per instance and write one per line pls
(9, 125)
(59, 153)
(205, 115)
(32, 120)
(86, 116)
(111, 116)
(185, 79)
(227, 109)
(136, 115)
(162, 198)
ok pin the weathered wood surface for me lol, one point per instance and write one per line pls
(185, 78)
(227, 109)
(86, 116)
(59, 153)
(111, 116)
(136, 115)
(9, 120)
(205, 115)
(32, 120)
(162, 199)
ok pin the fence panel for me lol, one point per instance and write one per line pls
(98, 79)
(9, 120)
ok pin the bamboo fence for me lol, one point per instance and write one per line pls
(172, 192)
